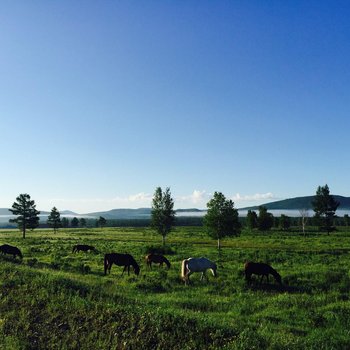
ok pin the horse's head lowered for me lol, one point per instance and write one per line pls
(137, 269)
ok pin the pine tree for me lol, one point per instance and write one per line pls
(101, 222)
(65, 222)
(75, 222)
(28, 216)
(265, 219)
(325, 206)
(82, 222)
(54, 219)
(252, 220)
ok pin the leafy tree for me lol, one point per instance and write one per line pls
(222, 218)
(284, 222)
(28, 216)
(265, 219)
(101, 222)
(324, 206)
(82, 222)
(65, 222)
(162, 214)
(75, 222)
(252, 220)
(54, 219)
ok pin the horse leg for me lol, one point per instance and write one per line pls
(188, 277)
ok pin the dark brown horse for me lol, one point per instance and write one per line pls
(260, 269)
(125, 260)
(83, 248)
(9, 249)
(157, 259)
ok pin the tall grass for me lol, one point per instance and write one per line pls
(54, 299)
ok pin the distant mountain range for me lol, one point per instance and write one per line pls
(114, 214)
(300, 203)
(145, 213)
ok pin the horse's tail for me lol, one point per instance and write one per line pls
(106, 263)
(20, 254)
(184, 268)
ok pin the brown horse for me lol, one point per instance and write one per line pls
(157, 259)
(260, 269)
(84, 248)
(9, 249)
(125, 260)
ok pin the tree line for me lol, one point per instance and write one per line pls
(221, 219)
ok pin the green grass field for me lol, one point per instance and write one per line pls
(54, 299)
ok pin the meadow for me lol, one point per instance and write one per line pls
(54, 299)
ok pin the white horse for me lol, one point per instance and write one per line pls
(191, 265)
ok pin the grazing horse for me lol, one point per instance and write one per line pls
(125, 260)
(261, 269)
(9, 249)
(191, 265)
(157, 259)
(84, 248)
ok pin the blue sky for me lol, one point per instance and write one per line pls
(101, 102)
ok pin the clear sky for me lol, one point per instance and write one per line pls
(103, 101)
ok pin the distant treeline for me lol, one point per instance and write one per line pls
(183, 221)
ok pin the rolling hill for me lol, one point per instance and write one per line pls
(300, 203)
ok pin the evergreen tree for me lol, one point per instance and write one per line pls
(222, 218)
(324, 206)
(252, 220)
(75, 222)
(65, 222)
(162, 214)
(54, 219)
(28, 216)
(265, 219)
(284, 222)
(82, 222)
(101, 222)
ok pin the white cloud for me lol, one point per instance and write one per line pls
(197, 197)
(253, 198)
(140, 197)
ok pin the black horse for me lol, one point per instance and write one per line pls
(84, 248)
(157, 259)
(261, 269)
(125, 260)
(9, 249)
